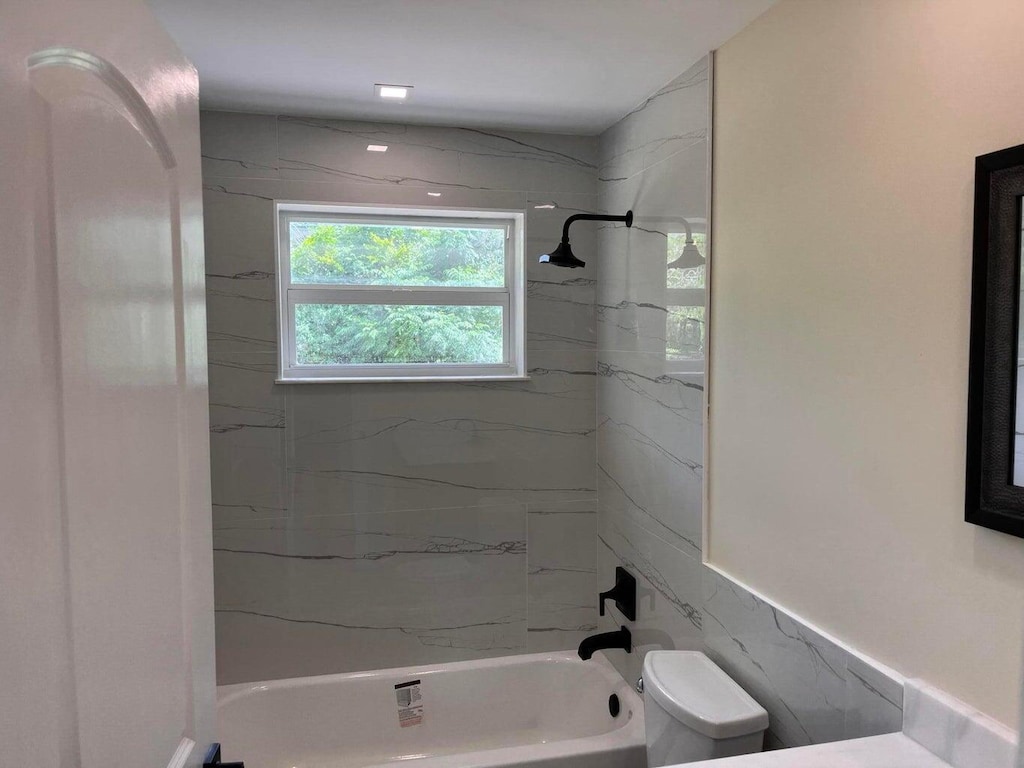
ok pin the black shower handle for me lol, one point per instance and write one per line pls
(623, 593)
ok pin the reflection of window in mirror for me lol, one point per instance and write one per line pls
(1018, 426)
(685, 326)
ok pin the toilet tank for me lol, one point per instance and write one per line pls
(694, 711)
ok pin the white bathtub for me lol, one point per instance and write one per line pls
(545, 710)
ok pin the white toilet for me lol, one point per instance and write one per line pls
(694, 711)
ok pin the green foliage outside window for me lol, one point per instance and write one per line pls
(373, 254)
(381, 255)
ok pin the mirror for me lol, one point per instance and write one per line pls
(1018, 394)
(685, 293)
(995, 417)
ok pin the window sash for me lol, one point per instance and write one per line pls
(454, 222)
(510, 297)
(407, 298)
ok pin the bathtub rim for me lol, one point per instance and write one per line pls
(627, 737)
(234, 691)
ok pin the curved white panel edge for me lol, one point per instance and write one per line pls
(138, 111)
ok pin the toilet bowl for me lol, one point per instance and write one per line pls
(694, 711)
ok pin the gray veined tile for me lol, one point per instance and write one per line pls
(668, 591)
(562, 536)
(636, 388)
(634, 295)
(529, 161)
(559, 314)
(676, 116)
(240, 325)
(228, 515)
(798, 676)
(245, 381)
(238, 231)
(249, 645)
(672, 118)
(335, 150)
(560, 302)
(343, 191)
(238, 145)
(644, 481)
(397, 588)
(874, 701)
(561, 574)
(357, 448)
(226, 417)
(545, 223)
(248, 468)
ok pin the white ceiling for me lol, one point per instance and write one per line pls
(568, 66)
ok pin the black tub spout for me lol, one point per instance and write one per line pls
(620, 638)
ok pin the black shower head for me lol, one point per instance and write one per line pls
(562, 256)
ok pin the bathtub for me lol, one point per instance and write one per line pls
(544, 710)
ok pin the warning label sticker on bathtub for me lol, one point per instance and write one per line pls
(409, 698)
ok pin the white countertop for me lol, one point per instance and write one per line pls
(893, 750)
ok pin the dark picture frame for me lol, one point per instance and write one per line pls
(992, 500)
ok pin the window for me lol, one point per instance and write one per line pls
(399, 293)
(685, 326)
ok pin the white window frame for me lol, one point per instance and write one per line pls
(511, 296)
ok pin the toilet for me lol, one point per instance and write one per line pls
(694, 711)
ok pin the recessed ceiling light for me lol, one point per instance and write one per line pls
(376, 147)
(546, 205)
(434, 194)
(393, 92)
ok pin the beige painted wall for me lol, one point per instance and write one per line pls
(844, 145)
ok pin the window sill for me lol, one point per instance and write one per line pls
(395, 379)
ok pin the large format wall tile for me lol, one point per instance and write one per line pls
(797, 675)
(650, 423)
(814, 690)
(562, 576)
(376, 525)
(668, 591)
(401, 446)
(650, 448)
(417, 586)
(671, 119)
(874, 700)
(443, 158)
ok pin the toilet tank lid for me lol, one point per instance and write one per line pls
(693, 689)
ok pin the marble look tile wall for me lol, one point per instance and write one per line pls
(650, 419)
(650, 452)
(360, 526)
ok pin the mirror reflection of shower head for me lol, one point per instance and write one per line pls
(562, 255)
(690, 258)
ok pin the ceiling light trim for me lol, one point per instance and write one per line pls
(398, 94)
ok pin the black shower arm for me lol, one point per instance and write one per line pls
(627, 220)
